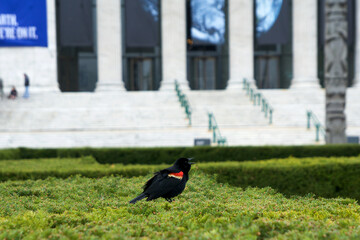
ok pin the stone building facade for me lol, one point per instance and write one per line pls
(41, 64)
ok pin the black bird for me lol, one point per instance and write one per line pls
(167, 183)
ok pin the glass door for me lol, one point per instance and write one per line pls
(141, 77)
(68, 70)
(204, 73)
(268, 69)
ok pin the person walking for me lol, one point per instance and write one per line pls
(27, 84)
(2, 94)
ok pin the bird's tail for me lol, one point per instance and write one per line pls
(138, 198)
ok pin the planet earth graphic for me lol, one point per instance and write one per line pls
(267, 11)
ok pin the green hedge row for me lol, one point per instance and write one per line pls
(66, 167)
(326, 177)
(85, 208)
(169, 155)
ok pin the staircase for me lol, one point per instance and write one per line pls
(352, 111)
(242, 123)
(125, 119)
(291, 106)
(150, 119)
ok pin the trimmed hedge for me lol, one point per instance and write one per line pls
(325, 177)
(169, 155)
(85, 208)
(63, 168)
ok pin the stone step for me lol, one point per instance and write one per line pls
(150, 119)
(291, 106)
(155, 137)
(230, 109)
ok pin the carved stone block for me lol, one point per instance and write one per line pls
(336, 69)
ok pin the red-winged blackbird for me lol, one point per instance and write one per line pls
(167, 183)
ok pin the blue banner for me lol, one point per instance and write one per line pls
(23, 23)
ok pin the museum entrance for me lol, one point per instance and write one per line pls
(273, 66)
(68, 70)
(207, 44)
(141, 44)
(76, 45)
(204, 72)
(273, 44)
(141, 74)
(268, 71)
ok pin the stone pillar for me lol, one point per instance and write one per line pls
(336, 69)
(241, 42)
(109, 46)
(305, 44)
(356, 83)
(173, 27)
(52, 84)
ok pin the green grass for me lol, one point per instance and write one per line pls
(88, 208)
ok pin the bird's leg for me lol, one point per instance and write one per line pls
(169, 200)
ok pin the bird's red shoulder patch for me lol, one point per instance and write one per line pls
(178, 175)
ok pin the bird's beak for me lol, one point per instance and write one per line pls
(191, 162)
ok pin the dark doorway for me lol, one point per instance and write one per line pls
(273, 68)
(141, 74)
(205, 73)
(268, 70)
(76, 45)
(68, 70)
(141, 44)
(273, 44)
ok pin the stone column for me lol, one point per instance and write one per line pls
(356, 83)
(109, 46)
(173, 32)
(241, 42)
(336, 69)
(305, 44)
